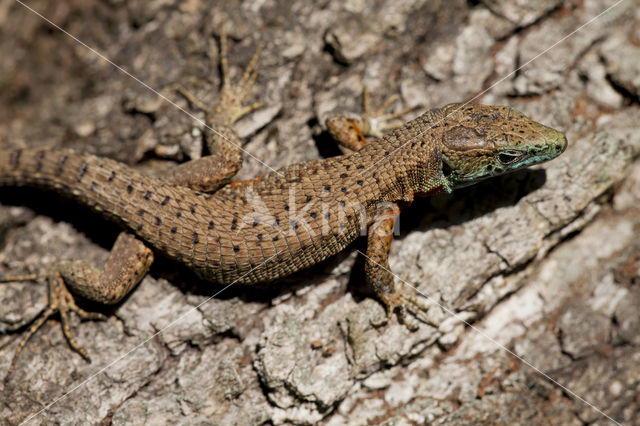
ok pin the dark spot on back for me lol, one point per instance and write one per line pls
(275, 238)
(83, 170)
(39, 157)
(360, 182)
(140, 212)
(158, 221)
(309, 198)
(193, 209)
(173, 229)
(259, 237)
(313, 215)
(60, 165)
(211, 224)
(195, 238)
(139, 227)
(179, 214)
(327, 188)
(14, 158)
(344, 175)
(129, 188)
(111, 176)
(147, 195)
(236, 249)
(234, 223)
(165, 201)
(360, 167)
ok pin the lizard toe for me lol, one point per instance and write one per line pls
(61, 302)
(409, 306)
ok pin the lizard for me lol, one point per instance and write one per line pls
(265, 228)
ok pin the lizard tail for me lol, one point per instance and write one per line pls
(163, 214)
(99, 183)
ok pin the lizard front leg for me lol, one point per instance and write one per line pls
(351, 131)
(378, 273)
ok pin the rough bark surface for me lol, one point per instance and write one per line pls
(544, 265)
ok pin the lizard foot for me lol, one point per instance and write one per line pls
(380, 121)
(350, 131)
(60, 301)
(229, 107)
(404, 303)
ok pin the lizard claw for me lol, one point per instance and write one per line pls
(60, 301)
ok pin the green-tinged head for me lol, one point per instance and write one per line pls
(482, 141)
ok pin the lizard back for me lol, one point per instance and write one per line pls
(246, 232)
(273, 225)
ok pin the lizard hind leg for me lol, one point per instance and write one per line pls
(229, 106)
(210, 172)
(128, 262)
(61, 302)
(231, 95)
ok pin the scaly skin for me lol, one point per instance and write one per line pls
(268, 227)
(228, 235)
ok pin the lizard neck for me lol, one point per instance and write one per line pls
(410, 161)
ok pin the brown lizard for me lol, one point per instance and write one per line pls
(262, 229)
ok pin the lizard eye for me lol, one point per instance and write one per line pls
(508, 157)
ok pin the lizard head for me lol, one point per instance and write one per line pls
(483, 141)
